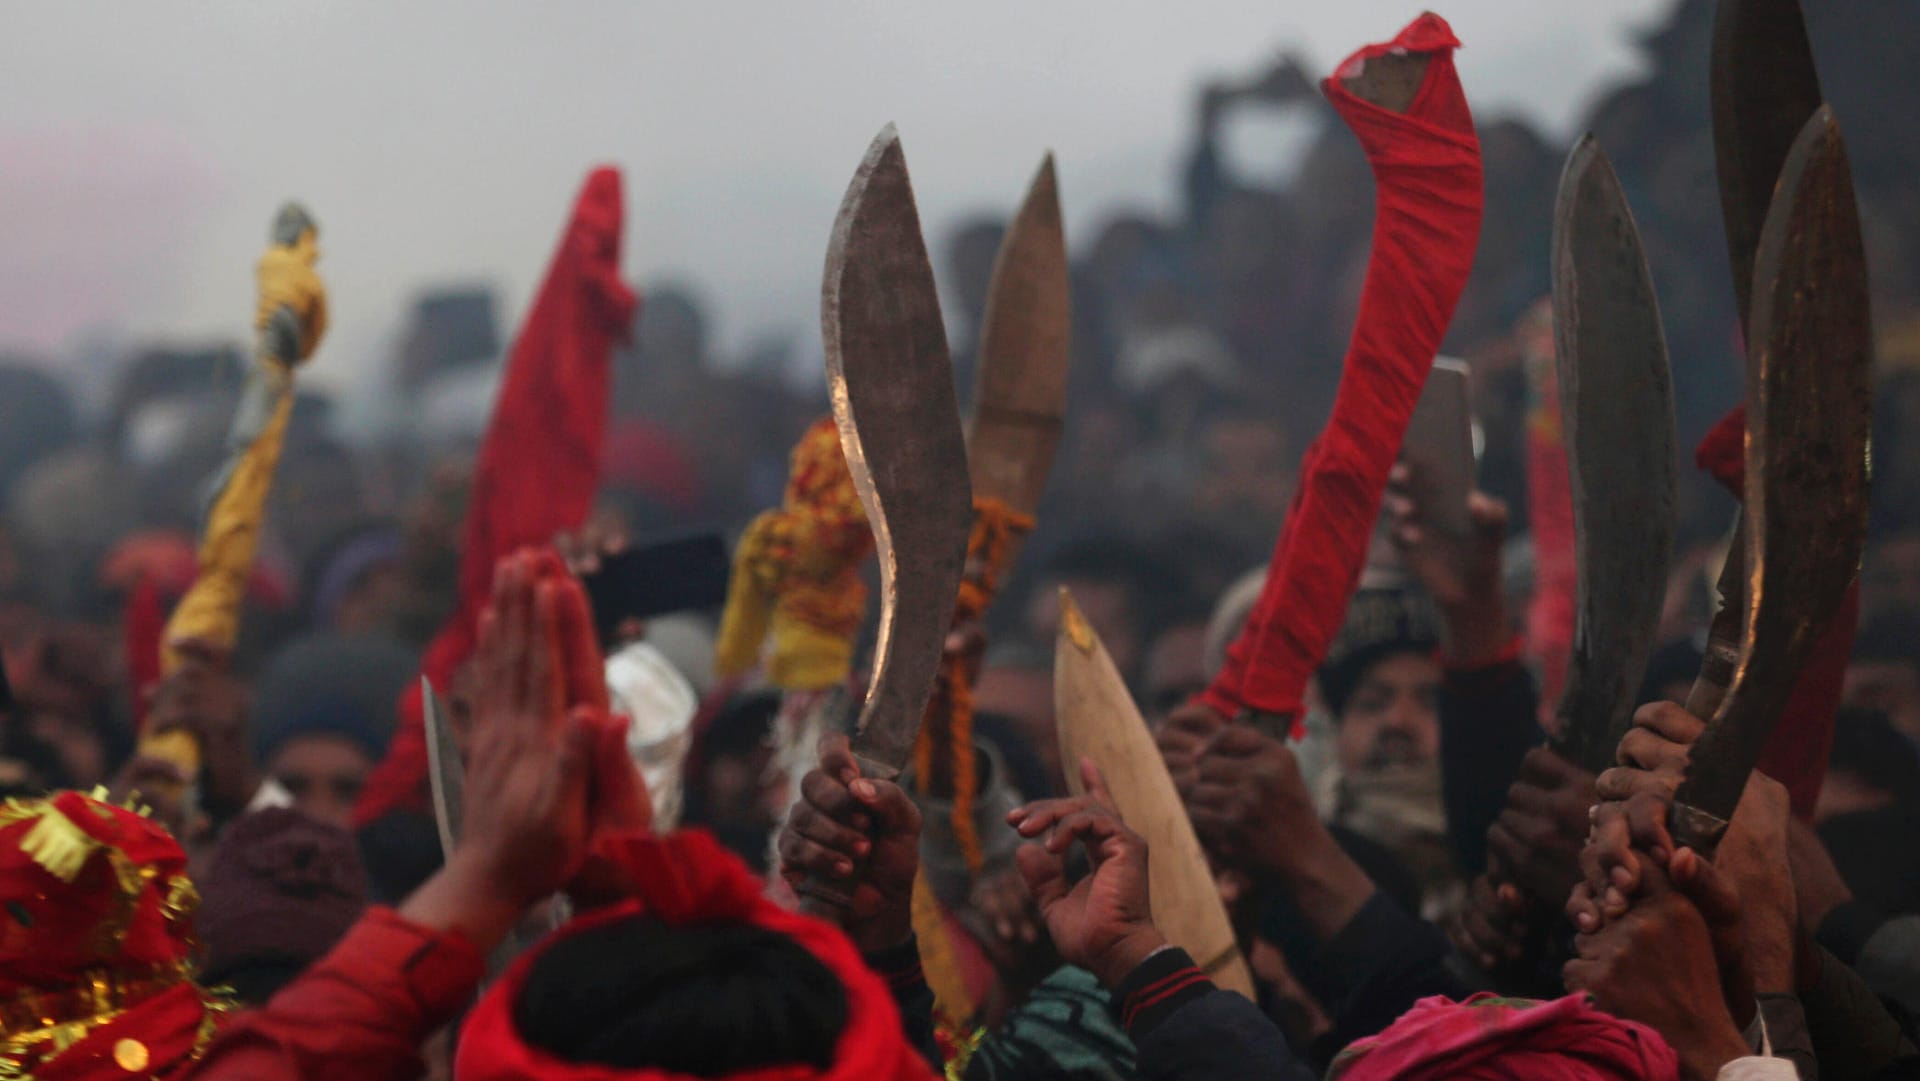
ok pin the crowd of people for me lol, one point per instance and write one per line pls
(1419, 885)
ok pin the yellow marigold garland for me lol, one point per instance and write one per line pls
(949, 717)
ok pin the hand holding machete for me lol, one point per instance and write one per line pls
(1809, 411)
(891, 386)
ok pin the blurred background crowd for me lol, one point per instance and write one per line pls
(1205, 356)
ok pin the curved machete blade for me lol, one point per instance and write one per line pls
(1810, 404)
(1020, 392)
(1616, 402)
(1764, 88)
(892, 389)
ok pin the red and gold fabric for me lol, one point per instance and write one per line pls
(96, 944)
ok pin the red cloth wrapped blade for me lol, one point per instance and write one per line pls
(1796, 752)
(539, 463)
(1427, 207)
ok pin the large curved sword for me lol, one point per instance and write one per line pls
(1616, 405)
(1764, 88)
(891, 384)
(1809, 410)
(1020, 392)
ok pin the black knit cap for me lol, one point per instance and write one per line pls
(1381, 623)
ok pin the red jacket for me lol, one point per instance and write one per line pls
(361, 1012)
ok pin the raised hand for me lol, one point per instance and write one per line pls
(1658, 964)
(1628, 824)
(849, 827)
(203, 697)
(1493, 928)
(1537, 839)
(1249, 802)
(1251, 809)
(537, 754)
(1461, 574)
(529, 764)
(1181, 739)
(1104, 922)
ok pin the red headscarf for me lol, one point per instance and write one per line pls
(96, 940)
(687, 878)
(1495, 1039)
(539, 462)
(1426, 167)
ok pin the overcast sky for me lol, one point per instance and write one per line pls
(143, 148)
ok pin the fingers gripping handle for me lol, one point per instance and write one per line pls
(829, 898)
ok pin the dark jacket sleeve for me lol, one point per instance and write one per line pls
(1489, 720)
(1187, 1029)
(1884, 952)
(1854, 1037)
(1373, 970)
(900, 967)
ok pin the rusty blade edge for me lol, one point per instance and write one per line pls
(900, 430)
(1617, 426)
(1807, 435)
(1764, 87)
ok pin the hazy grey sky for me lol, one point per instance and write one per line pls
(143, 148)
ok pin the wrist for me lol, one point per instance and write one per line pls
(1324, 883)
(469, 895)
(886, 931)
(1114, 963)
(1701, 1059)
(1475, 632)
(1704, 1041)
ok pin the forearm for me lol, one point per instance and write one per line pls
(1184, 1027)
(361, 1012)
(468, 898)
(1325, 886)
(1853, 1035)
(229, 779)
(1474, 630)
(1488, 723)
(900, 966)
(1373, 970)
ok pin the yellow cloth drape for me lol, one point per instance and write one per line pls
(290, 317)
(211, 609)
(796, 575)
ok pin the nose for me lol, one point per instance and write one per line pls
(1406, 714)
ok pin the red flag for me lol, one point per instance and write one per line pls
(539, 464)
(1427, 206)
